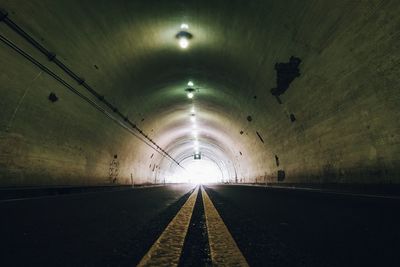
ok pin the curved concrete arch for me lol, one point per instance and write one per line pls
(335, 122)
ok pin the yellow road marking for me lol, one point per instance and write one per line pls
(223, 248)
(167, 250)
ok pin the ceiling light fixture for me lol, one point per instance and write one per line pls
(184, 26)
(183, 38)
(190, 83)
(190, 92)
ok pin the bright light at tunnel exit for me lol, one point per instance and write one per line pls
(197, 172)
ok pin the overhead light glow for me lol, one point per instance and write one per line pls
(184, 26)
(190, 95)
(190, 83)
(192, 118)
(192, 111)
(194, 126)
(194, 133)
(183, 42)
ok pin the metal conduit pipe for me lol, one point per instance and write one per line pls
(53, 58)
(71, 88)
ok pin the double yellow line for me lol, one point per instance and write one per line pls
(166, 251)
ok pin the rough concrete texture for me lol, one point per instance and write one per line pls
(345, 101)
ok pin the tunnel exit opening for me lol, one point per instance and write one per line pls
(197, 172)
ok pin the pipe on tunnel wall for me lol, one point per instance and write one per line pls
(53, 58)
(24, 173)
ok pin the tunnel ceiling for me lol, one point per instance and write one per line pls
(128, 51)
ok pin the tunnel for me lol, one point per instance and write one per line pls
(199, 133)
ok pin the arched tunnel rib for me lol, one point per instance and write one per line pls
(227, 133)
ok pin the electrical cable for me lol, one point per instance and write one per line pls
(53, 58)
(75, 91)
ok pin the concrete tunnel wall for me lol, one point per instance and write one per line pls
(346, 100)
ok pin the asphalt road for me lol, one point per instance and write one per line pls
(272, 227)
(281, 227)
(94, 229)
